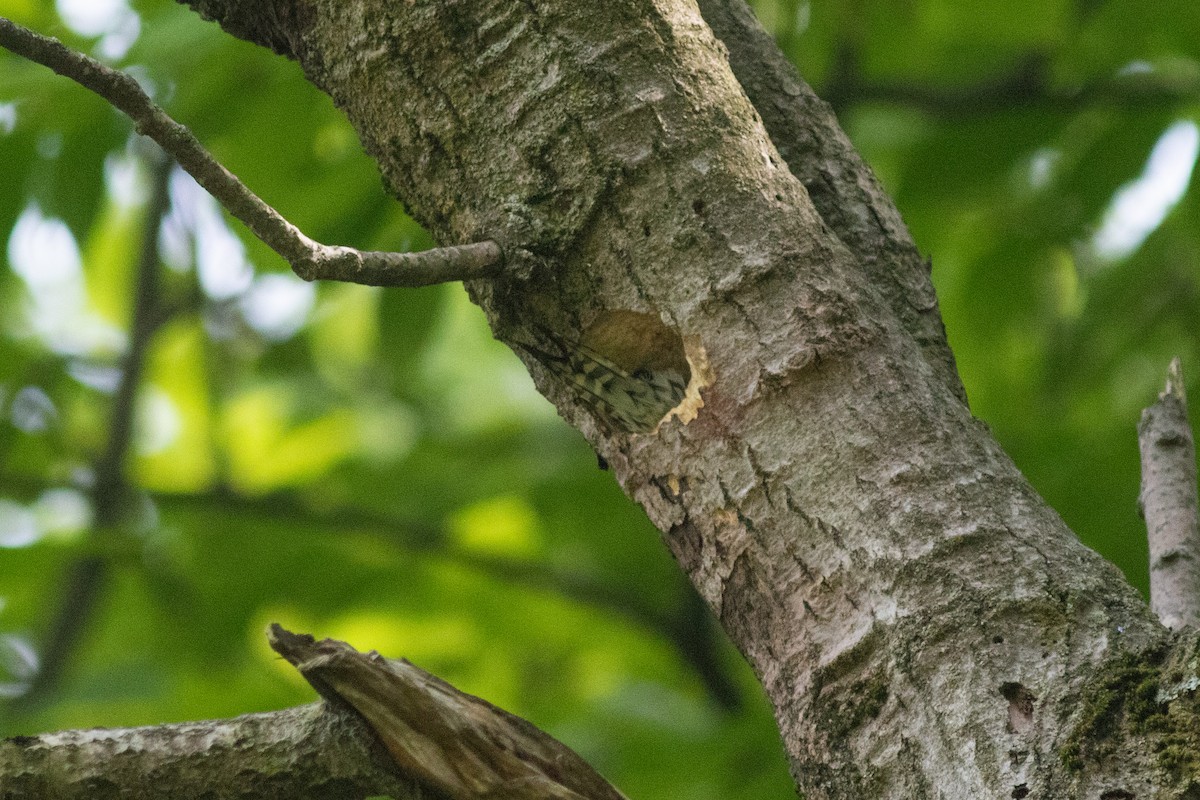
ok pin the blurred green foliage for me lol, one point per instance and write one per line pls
(372, 466)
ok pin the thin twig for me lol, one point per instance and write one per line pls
(309, 259)
(1169, 505)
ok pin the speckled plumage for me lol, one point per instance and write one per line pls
(627, 367)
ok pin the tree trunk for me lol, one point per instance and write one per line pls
(923, 623)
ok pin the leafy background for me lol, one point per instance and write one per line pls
(371, 466)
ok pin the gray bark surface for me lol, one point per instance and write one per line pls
(923, 623)
(1169, 505)
(308, 753)
(841, 186)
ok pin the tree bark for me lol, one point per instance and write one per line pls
(1168, 503)
(923, 623)
(313, 752)
(387, 728)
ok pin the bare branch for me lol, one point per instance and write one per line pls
(309, 259)
(1169, 505)
(421, 733)
(311, 752)
(462, 262)
(449, 740)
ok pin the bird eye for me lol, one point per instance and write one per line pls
(642, 374)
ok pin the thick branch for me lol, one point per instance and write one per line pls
(309, 259)
(313, 752)
(1169, 505)
(449, 740)
(420, 734)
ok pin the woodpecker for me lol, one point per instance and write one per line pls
(627, 367)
